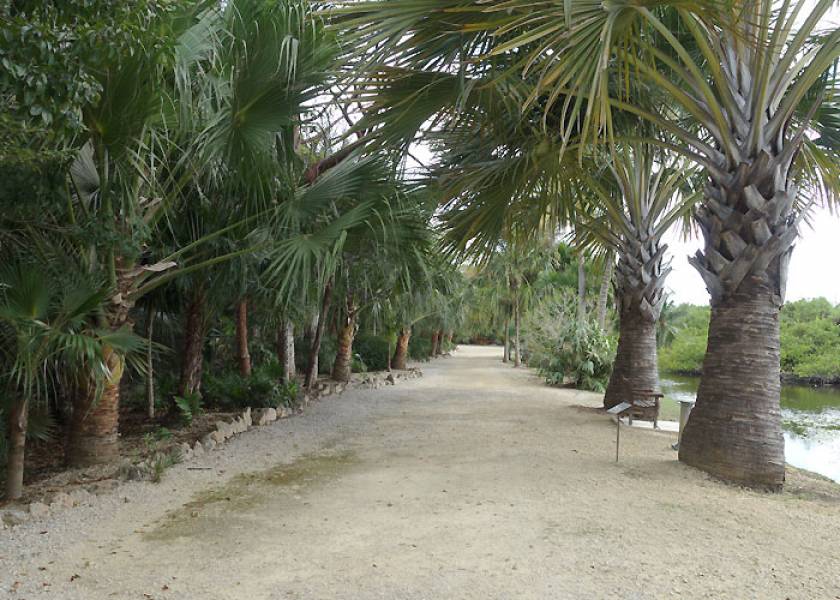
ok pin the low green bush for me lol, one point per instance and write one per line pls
(263, 389)
(419, 347)
(564, 352)
(684, 354)
(372, 351)
(809, 335)
(326, 355)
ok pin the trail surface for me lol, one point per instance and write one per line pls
(474, 482)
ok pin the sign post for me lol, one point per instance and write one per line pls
(617, 410)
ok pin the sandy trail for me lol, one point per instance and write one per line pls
(475, 482)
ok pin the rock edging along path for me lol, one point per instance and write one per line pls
(67, 497)
(474, 482)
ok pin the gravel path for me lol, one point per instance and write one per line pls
(474, 482)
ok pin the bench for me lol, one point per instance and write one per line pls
(644, 405)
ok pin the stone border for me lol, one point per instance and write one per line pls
(225, 431)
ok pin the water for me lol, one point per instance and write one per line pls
(810, 418)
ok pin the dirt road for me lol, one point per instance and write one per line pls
(474, 482)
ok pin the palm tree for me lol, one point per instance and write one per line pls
(242, 73)
(45, 327)
(740, 88)
(376, 258)
(627, 215)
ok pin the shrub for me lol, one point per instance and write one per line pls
(261, 390)
(189, 406)
(810, 340)
(419, 347)
(685, 353)
(564, 352)
(373, 351)
(326, 355)
(357, 365)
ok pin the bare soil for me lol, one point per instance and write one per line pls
(474, 482)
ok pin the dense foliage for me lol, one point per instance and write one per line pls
(810, 340)
(563, 351)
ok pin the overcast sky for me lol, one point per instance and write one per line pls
(814, 267)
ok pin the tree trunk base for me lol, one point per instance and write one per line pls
(635, 366)
(400, 359)
(94, 433)
(735, 429)
(17, 425)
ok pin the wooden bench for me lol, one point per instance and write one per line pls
(644, 405)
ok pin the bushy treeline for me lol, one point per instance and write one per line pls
(185, 222)
(547, 310)
(810, 340)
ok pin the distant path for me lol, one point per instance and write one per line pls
(475, 482)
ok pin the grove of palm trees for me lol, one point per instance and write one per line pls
(216, 215)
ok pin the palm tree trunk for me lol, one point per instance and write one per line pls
(506, 356)
(286, 349)
(150, 363)
(342, 367)
(517, 340)
(435, 343)
(749, 226)
(581, 304)
(94, 431)
(635, 366)
(94, 427)
(242, 354)
(401, 352)
(17, 423)
(604, 292)
(735, 428)
(315, 345)
(639, 283)
(193, 353)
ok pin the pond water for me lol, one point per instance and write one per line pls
(810, 418)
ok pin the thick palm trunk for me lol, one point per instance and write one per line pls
(635, 365)
(639, 282)
(286, 349)
(735, 428)
(342, 367)
(604, 292)
(17, 423)
(94, 430)
(315, 345)
(193, 351)
(243, 356)
(401, 352)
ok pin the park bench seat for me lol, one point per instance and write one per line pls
(644, 405)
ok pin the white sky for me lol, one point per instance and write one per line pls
(813, 266)
(813, 273)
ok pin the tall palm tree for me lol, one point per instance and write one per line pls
(626, 211)
(740, 87)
